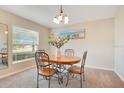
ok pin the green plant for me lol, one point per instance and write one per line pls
(58, 41)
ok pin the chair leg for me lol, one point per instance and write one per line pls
(2, 61)
(81, 80)
(67, 79)
(37, 80)
(49, 82)
(58, 78)
(83, 77)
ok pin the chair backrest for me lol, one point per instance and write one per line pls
(41, 50)
(41, 58)
(69, 52)
(83, 59)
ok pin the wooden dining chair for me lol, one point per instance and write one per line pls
(44, 69)
(78, 70)
(69, 52)
(40, 50)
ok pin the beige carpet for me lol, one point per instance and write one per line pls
(94, 79)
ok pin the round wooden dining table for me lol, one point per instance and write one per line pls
(61, 62)
(64, 60)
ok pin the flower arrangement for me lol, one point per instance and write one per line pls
(58, 41)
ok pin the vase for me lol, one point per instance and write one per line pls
(58, 52)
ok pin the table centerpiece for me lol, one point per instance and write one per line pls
(58, 41)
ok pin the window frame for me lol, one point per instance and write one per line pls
(26, 59)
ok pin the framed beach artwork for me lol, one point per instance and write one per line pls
(74, 34)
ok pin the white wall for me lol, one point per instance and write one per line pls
(119, 43)
(99, 42)
(10, 20)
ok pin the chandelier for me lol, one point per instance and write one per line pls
(61, 18)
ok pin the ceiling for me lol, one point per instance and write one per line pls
(44, 14)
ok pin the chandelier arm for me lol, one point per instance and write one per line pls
(61, 11)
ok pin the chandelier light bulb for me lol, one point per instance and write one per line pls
(60, 18)
(66, 20)
(55, 20)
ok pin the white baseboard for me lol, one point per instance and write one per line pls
(119, 75)
(15, 72)
(94, 67)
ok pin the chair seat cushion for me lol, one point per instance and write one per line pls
(44, 64)
(74, 69)
(48, 72)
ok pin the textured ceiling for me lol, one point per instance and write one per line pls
(44, 14)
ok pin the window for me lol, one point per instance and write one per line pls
(25, 43)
